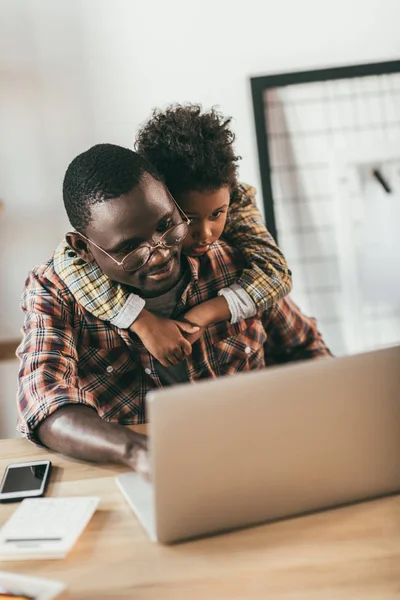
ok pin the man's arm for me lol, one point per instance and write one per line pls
(291, 335)
(53, 409)
(79, 432)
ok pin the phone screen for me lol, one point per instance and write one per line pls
(24, 479)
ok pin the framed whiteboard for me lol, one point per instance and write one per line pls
(320, 134)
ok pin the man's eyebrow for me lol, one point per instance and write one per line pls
(167, 216)
(135, 241)
(121, 245)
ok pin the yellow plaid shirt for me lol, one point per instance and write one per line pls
(266, 279)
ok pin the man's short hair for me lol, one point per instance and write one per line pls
(190, 147)
(103, 172)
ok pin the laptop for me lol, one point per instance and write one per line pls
(255, 447)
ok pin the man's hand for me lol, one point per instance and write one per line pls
(165, 339)
(137, 456)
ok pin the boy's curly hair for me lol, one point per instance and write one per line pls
(192, 149)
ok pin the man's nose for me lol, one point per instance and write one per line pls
(159, 256)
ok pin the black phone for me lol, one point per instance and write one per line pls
(24, 480)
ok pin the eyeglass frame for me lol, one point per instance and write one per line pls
(120, 263)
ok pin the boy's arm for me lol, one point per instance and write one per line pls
(267, 278)
(94, 291)
(53, 409)
(110, 301)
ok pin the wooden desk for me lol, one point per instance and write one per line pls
(352, 552)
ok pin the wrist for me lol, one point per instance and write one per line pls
(199, 318)
(135, 454)
(142, 322)
(210, 312)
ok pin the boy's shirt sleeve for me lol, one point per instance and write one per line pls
(94, 291)
(267, 278)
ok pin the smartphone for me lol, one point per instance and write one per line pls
(24, 480)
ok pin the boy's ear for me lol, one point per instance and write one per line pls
(80, 246)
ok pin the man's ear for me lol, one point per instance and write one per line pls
(80, 246)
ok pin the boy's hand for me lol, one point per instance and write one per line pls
(165, 339)
(193, 337)
(205, 314)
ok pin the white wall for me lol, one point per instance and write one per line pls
(74, 73)
(8, 406)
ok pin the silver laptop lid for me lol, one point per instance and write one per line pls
(254, 447)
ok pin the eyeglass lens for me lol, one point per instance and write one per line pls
(138, 257)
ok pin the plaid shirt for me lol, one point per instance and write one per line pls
(68, 356)
(266, 277)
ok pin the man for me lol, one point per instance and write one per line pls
(82, 379)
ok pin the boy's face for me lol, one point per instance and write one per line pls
(208, 212)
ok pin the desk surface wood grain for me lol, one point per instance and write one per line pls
(347, 553)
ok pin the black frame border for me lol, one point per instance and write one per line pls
(260, 84)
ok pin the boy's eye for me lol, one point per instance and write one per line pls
(216, 214)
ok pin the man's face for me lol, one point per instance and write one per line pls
(120, 225)
(207, 212)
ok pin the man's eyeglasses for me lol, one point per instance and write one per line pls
(139, 256)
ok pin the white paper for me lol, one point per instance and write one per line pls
(45, 528)
(33, 587)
